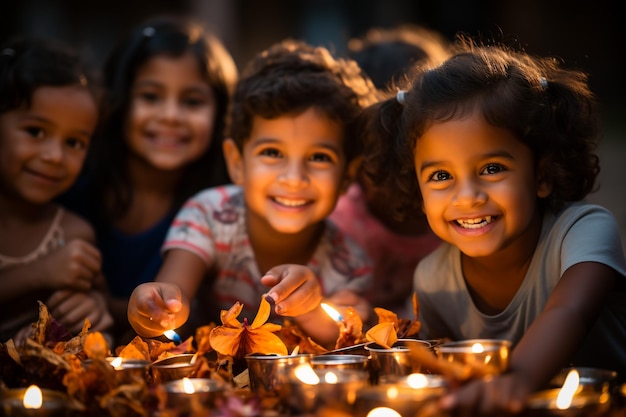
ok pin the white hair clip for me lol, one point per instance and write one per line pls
(8, 52)
(148, 31)
(401, 96)
(543, 83)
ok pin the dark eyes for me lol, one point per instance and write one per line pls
(491, 169)
(321, 157)
(154, 97)
(35, 132)
(271, 152)
(439, 176)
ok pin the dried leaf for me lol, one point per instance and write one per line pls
(383, 334)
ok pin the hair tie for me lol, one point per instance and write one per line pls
(401, 97)
(543, 83)
(148, 31)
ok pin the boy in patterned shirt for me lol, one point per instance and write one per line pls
(292, 142)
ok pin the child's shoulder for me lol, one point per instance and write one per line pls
(76, 227)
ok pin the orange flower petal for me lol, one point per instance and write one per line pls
(383, 333)
(229, 318)
(226, 340)
(261, 341)
(262, 315)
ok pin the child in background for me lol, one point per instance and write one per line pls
(363, 212)
(499, 145)
(48, 113)
(167, 90)
(293, 138)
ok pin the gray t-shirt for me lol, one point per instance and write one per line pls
(579, 233)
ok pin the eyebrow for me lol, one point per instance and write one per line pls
(42, 120)
(271, 141)
(498, 154)
(200, 87)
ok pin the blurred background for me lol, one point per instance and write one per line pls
(585, 34)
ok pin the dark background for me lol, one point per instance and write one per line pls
(588, 35)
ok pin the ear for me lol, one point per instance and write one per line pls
(352, 170)
(234, 161)
(544, 188)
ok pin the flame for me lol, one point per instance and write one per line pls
(383, 412)
(306, 374)
(172, 335)
(392, 393)
(295, 350)
(117, 362)
(567, 392)
(334, 314)
(331, 378)
(188, 386)
(417, 381)
(478, 348)
(33, 397)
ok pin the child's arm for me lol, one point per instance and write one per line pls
(298, 294)
(162, 305)
(73, 266)
(546, 346)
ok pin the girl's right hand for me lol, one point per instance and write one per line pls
(155, 307)
(74, 266)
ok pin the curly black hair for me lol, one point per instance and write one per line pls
(548, 107)
(292, 76)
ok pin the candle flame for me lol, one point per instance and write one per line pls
(478, 348)
(33, 398)
(331, 378)
(417, 381)
(306, 374)
(188, 386)
(295, 350)
(567, 392)
(392, 393)
(172, 335)
(383, 412)
(117, 362)
(334, 314)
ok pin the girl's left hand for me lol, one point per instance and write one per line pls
(71, 308)
(294, 289)
(501, 395)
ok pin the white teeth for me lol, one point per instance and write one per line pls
(290, 203)
(475, 223)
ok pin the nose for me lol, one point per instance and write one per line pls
(170, 110)
(52, 151)
(469, 193)
(294, 174)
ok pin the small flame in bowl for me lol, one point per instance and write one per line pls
(188, 386)
(33, 398)
(567, 392)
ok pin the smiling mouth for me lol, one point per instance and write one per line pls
(288, 202)
(475, 223)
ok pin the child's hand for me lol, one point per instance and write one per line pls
(74, 266)
(155, 307)
(496, 396)
(71, 308)
(294, 289)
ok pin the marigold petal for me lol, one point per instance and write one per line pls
(262, 315)
(229, 317)
(386, 316)
(226, 340)
(261, 341)
(383, 334)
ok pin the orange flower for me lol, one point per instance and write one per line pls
(237, 339)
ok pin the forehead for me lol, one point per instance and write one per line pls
(466, 137)
(71, 107)
(176, 71)
(311, 127)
